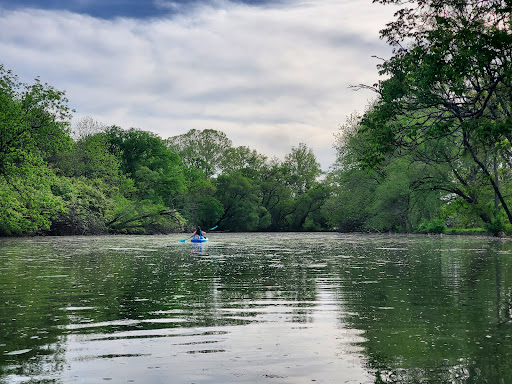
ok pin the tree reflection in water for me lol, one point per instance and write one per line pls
(291, 307)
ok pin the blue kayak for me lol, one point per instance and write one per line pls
(199, 240)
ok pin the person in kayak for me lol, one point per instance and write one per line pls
(198, 233)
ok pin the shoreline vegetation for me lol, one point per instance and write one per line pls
(431, 154)
(455, 232)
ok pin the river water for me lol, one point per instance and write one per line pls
(256, 308)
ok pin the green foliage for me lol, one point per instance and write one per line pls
(275, 194)
(348, 206)
(92, 206)
(499, 225)
(156, 170)
(301, 169)
(27, 204)
(437, 138)
(432, 226)
(244, 160)
(110, 180)
(209, 211)
(392, 199)
(447, 89)
(198, 204)
(238, 196)
(85, 204)
(305, 213)
(33, 128)
(89, 157)
(144, 217)
(204, 150)
(34, 124)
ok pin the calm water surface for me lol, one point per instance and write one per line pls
(256, 308)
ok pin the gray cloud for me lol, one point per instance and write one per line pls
(269, 77)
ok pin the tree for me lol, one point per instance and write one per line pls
(86, 126)
(204, 150)
(451, 83)
(276, 195)
(156, 170)
(34, 124)
(302, 168)
(398, 192)
(33, 128)
(89, 157)
(348, 206)
(86, 203)
(242, 159)
(242, 207)
(306, 214)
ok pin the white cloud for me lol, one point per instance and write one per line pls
(269, 77)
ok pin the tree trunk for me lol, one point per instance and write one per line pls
(494, 182)
(496, 199)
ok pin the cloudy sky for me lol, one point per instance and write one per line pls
(270, 74)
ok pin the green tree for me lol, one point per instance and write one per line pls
(397, 193)
(33, 128)
(302, 169)
(306, 212)
(89, 157)
(86, 203)
(156, 170)
(242, 206)
(204, 150)
(243, 159)
(276, 194)
(348, 207)
(198, 203)
(449, 79)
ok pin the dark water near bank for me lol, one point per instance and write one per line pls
(256, 308)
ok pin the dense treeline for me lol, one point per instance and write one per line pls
(432, 152)
(96, 179)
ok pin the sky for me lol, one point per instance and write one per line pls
(269, 74)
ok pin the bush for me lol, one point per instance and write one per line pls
(499, 225)
(432, 226)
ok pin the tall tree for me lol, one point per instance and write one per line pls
(34, 126)
(242, 159)
(303, 169)
(450, 78)
(156, 170)
(242, 207)
(397, 192)
(204, 150)
(276, 195)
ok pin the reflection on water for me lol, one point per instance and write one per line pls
(276, 308)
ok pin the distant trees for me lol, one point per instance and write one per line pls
(118, 181)
(103, 179)
(204, 150)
